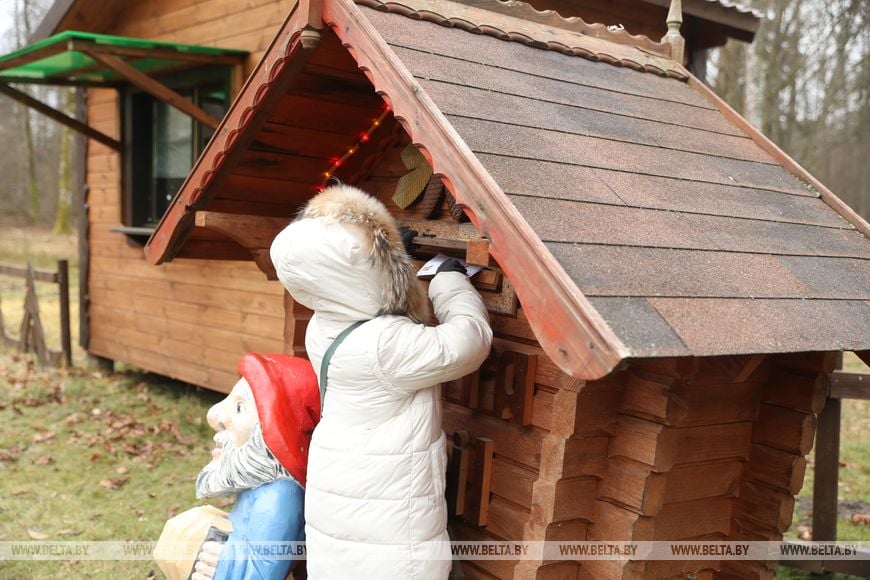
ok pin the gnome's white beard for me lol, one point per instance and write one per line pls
(239, 468)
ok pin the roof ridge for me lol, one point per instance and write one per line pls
(517, 21)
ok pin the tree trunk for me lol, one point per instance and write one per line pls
(62, 223)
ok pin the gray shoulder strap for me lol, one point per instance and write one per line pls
(327, 356)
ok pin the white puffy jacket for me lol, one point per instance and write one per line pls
(374, 502)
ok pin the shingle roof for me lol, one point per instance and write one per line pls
(634, 218)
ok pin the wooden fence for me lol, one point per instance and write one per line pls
(31, 335)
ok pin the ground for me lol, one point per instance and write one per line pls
(90, 455)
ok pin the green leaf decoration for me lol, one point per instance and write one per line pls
(412, 184)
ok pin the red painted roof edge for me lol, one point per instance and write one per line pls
(286, 55)
(570, 330)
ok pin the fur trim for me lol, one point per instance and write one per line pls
(403, 294)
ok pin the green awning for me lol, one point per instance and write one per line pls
(68, 58)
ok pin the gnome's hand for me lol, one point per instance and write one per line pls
(207, 561)
(451, 265)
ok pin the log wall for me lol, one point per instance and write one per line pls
(191, 320)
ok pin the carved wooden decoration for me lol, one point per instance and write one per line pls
(476, 509)
(412, 184)
(457, 473)
(503, 387)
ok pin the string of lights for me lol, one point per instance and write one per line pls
(363, 139)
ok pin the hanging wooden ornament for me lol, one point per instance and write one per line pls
(411, 185)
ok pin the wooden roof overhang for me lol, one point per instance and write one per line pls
(736, 20)
(74, 58)
(650, 221)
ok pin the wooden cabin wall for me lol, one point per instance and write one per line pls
(190, 319)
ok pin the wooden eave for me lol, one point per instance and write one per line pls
(736, 20)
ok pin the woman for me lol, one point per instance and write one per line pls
(374, 502)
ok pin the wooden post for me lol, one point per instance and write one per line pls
(673, 36)
(63, 291)
(827, 473)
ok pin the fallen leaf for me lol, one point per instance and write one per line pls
(114, 483)
(139, 512)
(76, 417)
(861, 519)
(96, 412)
(170, 513)
(152, 494)
(36, 534)
(121, 470)
(43, 437)
(19, 491)
(69, 532)
(95, 457)
(805, 533)
(44, 460)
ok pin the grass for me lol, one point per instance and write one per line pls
(87, 455)
(92, 456)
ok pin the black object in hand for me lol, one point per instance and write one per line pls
(451, 265)
(407, 236)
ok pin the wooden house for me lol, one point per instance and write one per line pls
(667, 288)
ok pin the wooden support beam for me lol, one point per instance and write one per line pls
(254, 233)
(850, 385)
(156, 89)
(60, 117)
(864, 355)
(827, 471)
(89, 47)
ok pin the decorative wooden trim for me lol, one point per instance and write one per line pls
(519, 22)
(88, 46)
(60, 117)
(846, 212)
(673, 37)
(155, 88)
(570, 330)
(285, 58)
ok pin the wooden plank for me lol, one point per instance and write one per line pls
(850, 385)
(597, 405)
(784, 429)
(705, 480)
(569, 349)
(575, 498)
(796, 391)
(60, 117)
(651, 400)
(690, 519)
(826, 474)
(775, 468)
(154, 88)
(634, 485)
(613, 522)
(39, 275)
(766, 506)
(585, 456)
(645, 441)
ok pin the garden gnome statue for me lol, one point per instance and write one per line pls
(263, 430)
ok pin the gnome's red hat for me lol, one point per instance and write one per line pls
(287, 395)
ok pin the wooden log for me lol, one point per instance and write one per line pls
(776, 468)
(784, 429)
(651, 400)
(645, 441)
(634, 485)
(704, 480)
(690, 519)
(568, 531)
(597, 406)
(574, 498)
(766, 506)
(795, 390)
(585, 456)
(613, 522)
(557, 571)
(505, 520)
(710, 404)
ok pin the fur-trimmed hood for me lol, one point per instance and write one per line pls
(343, 257)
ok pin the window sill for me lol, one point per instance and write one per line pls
(135, 235)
